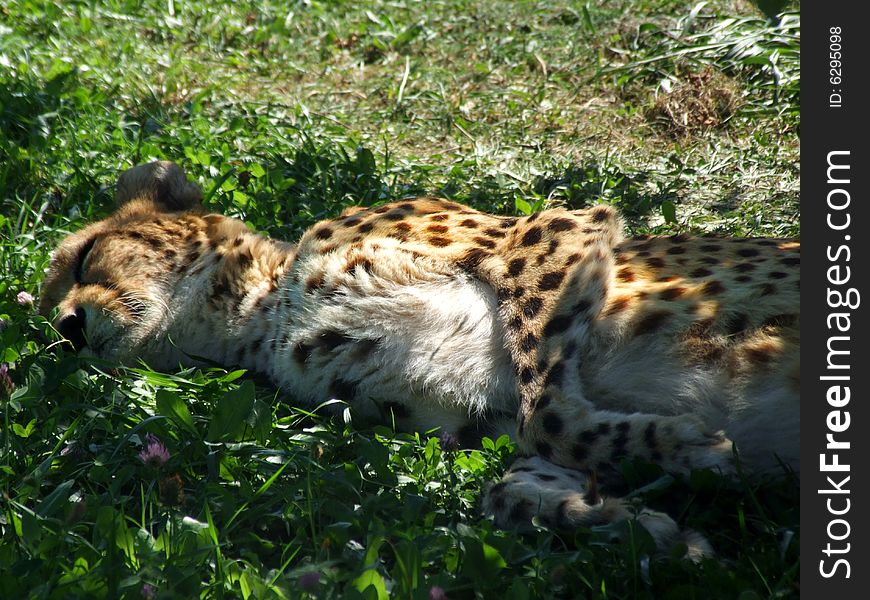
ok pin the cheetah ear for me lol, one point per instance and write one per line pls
(162, 182)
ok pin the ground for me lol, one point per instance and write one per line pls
(684, 118)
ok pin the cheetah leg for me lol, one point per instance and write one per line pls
(570, 432)
(564, 499)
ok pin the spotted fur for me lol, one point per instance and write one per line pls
(588, 347)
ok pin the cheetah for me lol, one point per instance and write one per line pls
(586, 347)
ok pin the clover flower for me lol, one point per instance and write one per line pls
(154, 454)
(309, 581)
(436, 592)
(24, 299)
(6, 385)
(449, 442)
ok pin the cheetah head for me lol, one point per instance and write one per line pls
(115, 284)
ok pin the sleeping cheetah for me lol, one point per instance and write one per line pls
(585, 346)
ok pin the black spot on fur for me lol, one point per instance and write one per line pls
(244, 258)
(672, 293)
(780, 321)
(521, 512)
(649, 435)
(324, 233)
(588, 436)
(516, 266)
(580, 452)
(527, 375)
(710, 248)
(545, 477)
(654, 262)
(599, 214)
(302, 352)
(620, 441)
(552, 423)
(554, 376)
(791, 261)
(583, 305)
(712, 288)
(544, 449)
(701, 272)
(651, 321)
(472, 259)
(677, 250)
(573, 259)
(363, 263)
(156, 243)
(220, 289)
(469, 223)
(529, 343)
(625, 274)
(767, 289)
(331, 339)
(497, 489)
(532, 236)
(747, 252)
(364, 348)
(551, 280)
(777, 275)
(561, 224)
(558, 324)
(533, 306)
(482, 241)
(343, 389)
(439, 241)
(738, 323)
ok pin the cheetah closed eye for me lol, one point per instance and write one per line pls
(586, 347)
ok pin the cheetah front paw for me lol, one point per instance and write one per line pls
(693, 446)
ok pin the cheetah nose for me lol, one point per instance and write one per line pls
(72, 327)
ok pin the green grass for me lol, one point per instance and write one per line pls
(285, 113)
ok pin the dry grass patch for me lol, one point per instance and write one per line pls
(699, 101)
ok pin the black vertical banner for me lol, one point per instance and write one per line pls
(835, 232)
